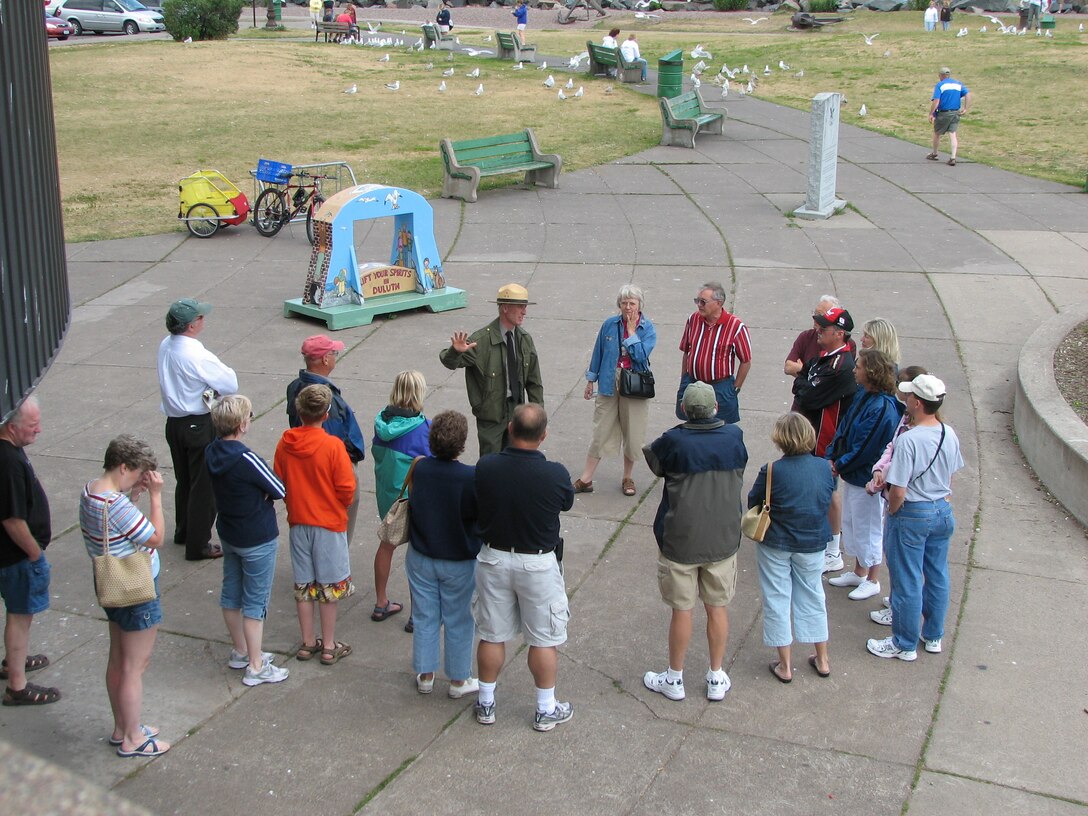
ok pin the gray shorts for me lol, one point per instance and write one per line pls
(520, 593)
(946, 122)
(318, 555)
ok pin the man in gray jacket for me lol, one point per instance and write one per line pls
(698, 531)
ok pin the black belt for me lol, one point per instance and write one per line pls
(948, 110)
(521, 550)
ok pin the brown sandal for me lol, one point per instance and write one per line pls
(331, 654)
(933, 157)
(305, 652)
(583, 487)
(31, 695)
(33, 663)
(628, 486)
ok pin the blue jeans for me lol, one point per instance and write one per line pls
(790, 580)
(441, 596)
(724, 392)
(642, 64)
(247, 578)
(24, 586)
(916, 546)
(139, 617)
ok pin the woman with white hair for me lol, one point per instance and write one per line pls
(625, 341)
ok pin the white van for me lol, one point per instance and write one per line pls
(99, 16)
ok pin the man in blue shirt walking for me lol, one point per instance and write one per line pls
(950, 101)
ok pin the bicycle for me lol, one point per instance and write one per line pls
(569, 13)
(276, 207)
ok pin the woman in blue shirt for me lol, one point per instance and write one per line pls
(791, 555)
(626, 341)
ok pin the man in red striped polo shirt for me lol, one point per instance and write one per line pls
(717, 350)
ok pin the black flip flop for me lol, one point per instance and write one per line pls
(774, 664)
(812, 662)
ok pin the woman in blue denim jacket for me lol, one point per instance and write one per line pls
(625, 340)
(791, 555)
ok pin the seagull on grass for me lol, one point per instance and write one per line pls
(476, 52)
(754, 20)
(864, 111)
(543, 66)
(576, 61)
(479, 90)
(641, 15)
(393, 86)
(473, 74)
(442, 86)
(352, 89)
(700, 53)
(579, 93)
(562, 96)
(549, 82)
(384, 59)
(519, 67)
(608, 90)
(870, 37)
(570, 84)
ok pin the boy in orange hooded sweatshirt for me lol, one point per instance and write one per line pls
(320, 482)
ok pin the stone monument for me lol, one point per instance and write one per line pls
(823, 158)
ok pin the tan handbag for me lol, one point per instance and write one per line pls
(123, 581)
(755, 522)
(394, 527)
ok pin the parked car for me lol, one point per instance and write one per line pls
(99, 16)
(56, 27)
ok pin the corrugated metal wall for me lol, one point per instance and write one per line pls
(35, 307)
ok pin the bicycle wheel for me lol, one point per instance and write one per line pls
(202, 220)
(315, 205)
(270, 212)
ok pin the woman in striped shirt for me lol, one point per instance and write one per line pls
(108, 515)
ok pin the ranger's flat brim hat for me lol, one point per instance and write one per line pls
(512, 293)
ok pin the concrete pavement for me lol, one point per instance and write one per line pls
(965, 261)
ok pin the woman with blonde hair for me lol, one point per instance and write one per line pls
(791, 555)
(245, 491)
(880, 334)
(400, 435)
(625, 341)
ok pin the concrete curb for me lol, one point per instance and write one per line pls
(1053, 438)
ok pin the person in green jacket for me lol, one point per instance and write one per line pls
(400, 435)
(494, 386)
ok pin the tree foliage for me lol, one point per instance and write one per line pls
(202, 19)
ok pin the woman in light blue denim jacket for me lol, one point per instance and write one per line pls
(625, 340)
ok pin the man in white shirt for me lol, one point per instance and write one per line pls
(630, 52)
(187, 371)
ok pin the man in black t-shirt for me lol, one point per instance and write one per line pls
(519, 584)
(24, 571)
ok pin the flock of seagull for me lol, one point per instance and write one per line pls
(745, 78)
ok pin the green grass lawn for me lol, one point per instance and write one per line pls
(134, 118)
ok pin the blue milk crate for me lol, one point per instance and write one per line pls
(273, 172)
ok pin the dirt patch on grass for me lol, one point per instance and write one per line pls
(1070, 371)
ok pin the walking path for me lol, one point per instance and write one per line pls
(966, 262)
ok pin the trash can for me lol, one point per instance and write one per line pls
(1023, 18)
(1047, 21)
(277, 5)
(670, 74)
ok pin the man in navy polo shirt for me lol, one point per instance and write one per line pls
(950, 101)
(519, 584)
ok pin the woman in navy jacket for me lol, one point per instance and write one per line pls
(626, 341)
(858, 443)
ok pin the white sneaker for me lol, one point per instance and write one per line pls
(847, 579)
(887, 601)
(933, 646)
(717, 685)
(424, 686)
(267, 674)
(659, 682)
(238, 660)
(887, 648)
(832, 563)
(865, 590)
(881, 616)
(470, 686)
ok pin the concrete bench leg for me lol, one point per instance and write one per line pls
(464, 189)
(548, 177)
(677, 137)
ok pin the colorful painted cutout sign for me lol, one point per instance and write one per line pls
(336, 278)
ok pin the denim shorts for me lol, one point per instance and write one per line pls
(247, 577)
(25, 586)
(136, 618)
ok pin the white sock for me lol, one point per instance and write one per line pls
(718, 676)
(674, 676)
(545, 700)
(832, 546)
(486, 695)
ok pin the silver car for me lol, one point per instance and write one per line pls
(99, 16)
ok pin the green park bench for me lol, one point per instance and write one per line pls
(604, 61)
(465, 162)
(335, 31)
(442, 41)
(686, 115)
(510, 47)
